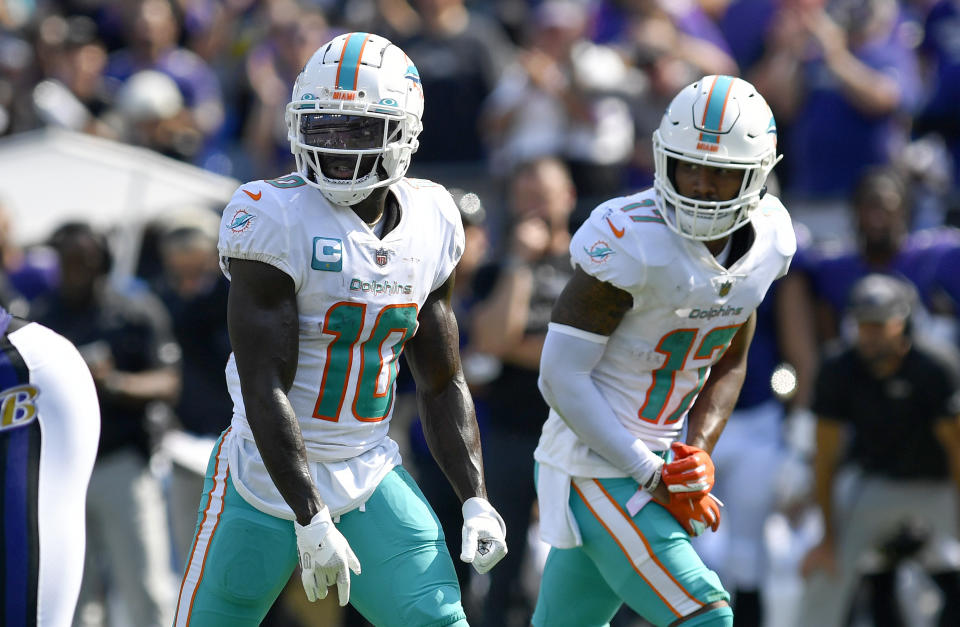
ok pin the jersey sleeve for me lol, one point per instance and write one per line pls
(451, 236)
(604, 255)
(259, 230)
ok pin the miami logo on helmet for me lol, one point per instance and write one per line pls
(413, 75)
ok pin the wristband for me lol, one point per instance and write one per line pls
(654, 480)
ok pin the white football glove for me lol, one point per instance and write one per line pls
(325, 557)
(484, 535)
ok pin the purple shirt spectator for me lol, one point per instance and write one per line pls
(941, 44)
(197, 82)
(923, 260)
(610, 23)
(38, 274)
(744, 27)
(830, 140)
(946, 295)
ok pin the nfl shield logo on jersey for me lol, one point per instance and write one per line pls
(381, 256)
(725, 288)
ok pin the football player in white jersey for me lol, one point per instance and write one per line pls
(335, 270)
(650, 337)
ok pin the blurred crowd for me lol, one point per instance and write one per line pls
(535, 112)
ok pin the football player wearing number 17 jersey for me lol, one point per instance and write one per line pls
(335, 270)
(649, 337)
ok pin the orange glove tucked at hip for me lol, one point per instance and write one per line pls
(691, 474)
(694, 514)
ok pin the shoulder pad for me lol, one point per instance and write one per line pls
(772, 220)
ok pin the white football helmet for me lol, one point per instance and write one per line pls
(354, 117)
(718, 121)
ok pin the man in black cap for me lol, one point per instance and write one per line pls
(888, 412)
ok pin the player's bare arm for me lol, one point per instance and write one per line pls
(450, 426)
(264, 327)
(446, 407)
(716, 401)
(591, 305)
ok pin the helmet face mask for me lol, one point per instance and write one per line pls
(719, 122)
(354, 117)
(347, 146)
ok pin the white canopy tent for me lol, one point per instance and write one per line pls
(50, 176)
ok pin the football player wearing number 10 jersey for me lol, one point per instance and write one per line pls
(335, 270)
(648, 337)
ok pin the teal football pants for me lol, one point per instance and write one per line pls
(645, 561)
(242, 558)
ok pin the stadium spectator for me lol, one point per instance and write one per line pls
(293, 34)
(128, 346)
(888, 410)
(515, 296)
(941, 51)
(842, 79)
(24, 274)
(195, 293)
(149, 112)
(153, 33)
(460, 54)
(73, 93)
(880, 205)
(564, 97)
(657, 28)
(668, 45)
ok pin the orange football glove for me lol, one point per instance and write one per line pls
(694, 514)
(691, 474)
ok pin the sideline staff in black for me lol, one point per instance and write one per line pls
(890, 408)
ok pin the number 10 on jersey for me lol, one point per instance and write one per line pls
(377, 356)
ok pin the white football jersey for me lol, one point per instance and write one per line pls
(358, 298)
(686, 310)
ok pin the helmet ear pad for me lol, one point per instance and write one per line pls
(397, 155)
